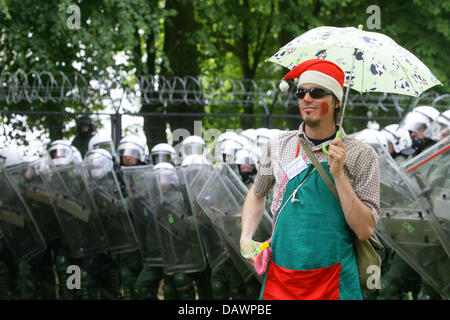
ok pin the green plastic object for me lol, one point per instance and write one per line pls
(325, 146)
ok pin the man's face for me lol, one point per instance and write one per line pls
(445, 132)
(129, 161)
(390, 147)
(419, 133)
(316, 111)
(247, 167)
(85, 128)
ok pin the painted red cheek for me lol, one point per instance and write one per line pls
(324, 107)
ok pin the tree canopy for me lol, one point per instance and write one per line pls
(211, 38)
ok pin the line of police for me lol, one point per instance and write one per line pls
(127, 218)
(415, 185)
(148, 226)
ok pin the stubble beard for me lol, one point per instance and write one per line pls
(312, 123)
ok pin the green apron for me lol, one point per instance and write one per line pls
(312, 245)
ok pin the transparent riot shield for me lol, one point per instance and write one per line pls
(406, 225)
(137, 180)
(244, 269)
(240, 190)
(69, 194)
(33, 191)
(183, 246)
(18, 226)
(111, 207)
(431, 170)
(222, 200)
(195, 177)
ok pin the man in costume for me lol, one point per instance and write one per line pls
(312, 254)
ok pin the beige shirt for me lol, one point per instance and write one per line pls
(360, 167)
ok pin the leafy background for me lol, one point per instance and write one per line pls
(209, 38)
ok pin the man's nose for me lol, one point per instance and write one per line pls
(307, 98)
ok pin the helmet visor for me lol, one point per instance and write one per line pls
(438, 130)
(60, 152)
(107, 145)
(193, 148)
(161, 157)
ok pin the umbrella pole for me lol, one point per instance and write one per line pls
(339, 132)
(347, 91)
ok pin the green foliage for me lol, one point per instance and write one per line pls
(211, 38)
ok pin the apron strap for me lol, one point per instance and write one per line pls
(326, 178)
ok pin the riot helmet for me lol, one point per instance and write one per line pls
(77, 158)
(416, 122)
(440, 128)
(102, 140)
(34, 165)
(374, 138)
(9, 157)
(85, 126)
(398, 139)
(192, 145)
(246, 159)
(262, 136)
(132, 150)
(163, 152)
(419, 119)
(61, 152)
(226, 146)
(99, 162)
(251, 135)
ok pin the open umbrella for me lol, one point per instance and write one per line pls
(379, 63)
(372, 61)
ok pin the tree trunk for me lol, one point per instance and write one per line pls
(182, 57)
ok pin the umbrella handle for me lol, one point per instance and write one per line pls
(325, 146)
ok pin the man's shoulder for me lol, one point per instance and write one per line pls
(359, 154)
(356, 146)
(283, 136)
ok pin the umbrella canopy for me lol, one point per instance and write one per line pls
(379, 63)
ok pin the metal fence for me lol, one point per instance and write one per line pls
(218, 104)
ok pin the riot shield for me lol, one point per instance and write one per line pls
(183, 246)
(69, 195)
(18, 226)
(431, 169)
(407, 226)
(241, 265)
(33, 191)
(222, 199)
(143, 214)
(240, 190)
(111, 207)
(215, 247)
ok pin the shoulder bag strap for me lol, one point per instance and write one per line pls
(326, 178)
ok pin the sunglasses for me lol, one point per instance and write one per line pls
(315, 92)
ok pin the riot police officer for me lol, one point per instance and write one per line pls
(398, 279)
(85, 129)
(62, 153)
(137, 282)
(416, 122)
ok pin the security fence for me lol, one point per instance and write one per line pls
(46, 103)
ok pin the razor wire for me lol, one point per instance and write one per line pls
(58, 87)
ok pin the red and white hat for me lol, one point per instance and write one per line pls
(318, 71)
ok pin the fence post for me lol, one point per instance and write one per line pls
(116, 128)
